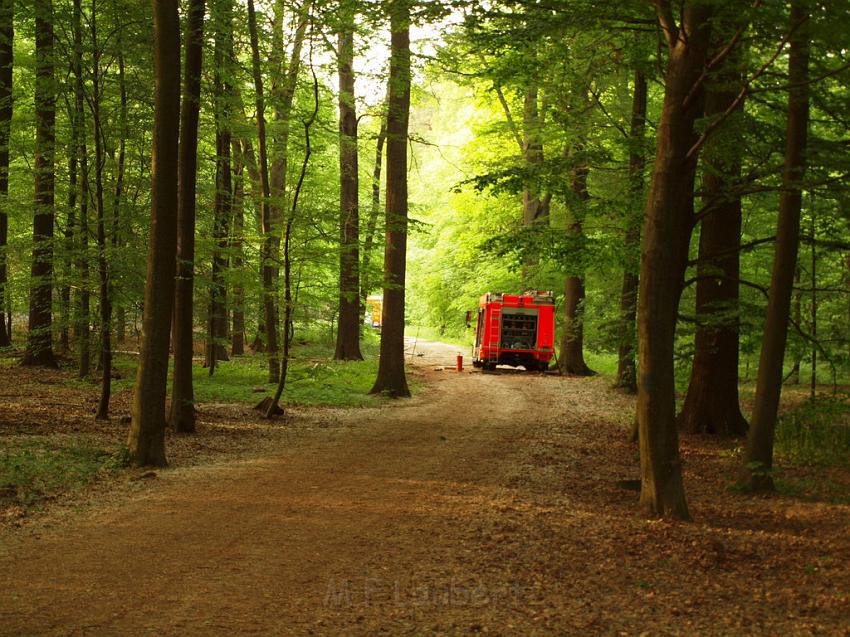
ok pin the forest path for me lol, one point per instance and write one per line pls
(485, 504)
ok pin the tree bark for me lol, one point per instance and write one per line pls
(667, 228)
(237, 241)
(797, 309)
(391, 378)
(711, 404)
(348, 327)
(146, 440)
(571, 360)
(216, 350)
(83, 298)
(626, 372)
(182, 413)
(102, 263)
(267, 251)
(7, 34)
(758, 457)
(118, 195)
(375, 209)
(39, 350)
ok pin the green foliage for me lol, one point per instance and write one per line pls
(38, 467)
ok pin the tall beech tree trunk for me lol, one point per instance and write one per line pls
(83, 298)
(391, 376)
(626, 372)
(249, 161)
(120, 169)
(711, 403)
(758, 457)
(535, 209)
(69, 236)
(39, 350)
(571, 360)
(182, 416)
(667, 229)
(102, 263)
(216, 350)
(237, 242)
(348, 330)
(366, 279)
(267, 251)
(146, 440)
(7, 34)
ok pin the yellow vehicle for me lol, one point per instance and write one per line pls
(374, 309)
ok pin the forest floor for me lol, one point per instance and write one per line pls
(488, 503)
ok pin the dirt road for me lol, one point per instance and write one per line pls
(486, 504)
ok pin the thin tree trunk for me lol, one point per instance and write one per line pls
(366, 280)
(267, 251)
(120, 169)
(667, 231)
(83, 298)
(102, 263)
(391, 378)
(39, 350)
(216, 349)
(348, 331)
(288, 326)
(814, 310)
(571, 360)
(69, 240)
(711, 404)
(626, 373)
(250, 163)
(182, 414)
(797, 310)
(146, 440)
(237, 332)
(758, 457)
(7, 34)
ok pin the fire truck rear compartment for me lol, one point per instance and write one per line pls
(519, 328)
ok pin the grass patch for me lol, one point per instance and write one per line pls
(34, 469)
(604, 363)
(816, 432)
(314, 378)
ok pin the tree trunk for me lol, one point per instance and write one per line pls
(268, 248)
(39, 350)
(711, 403)
(368, 242)
(83, 301)
(237, 241)
(120, 169)
(216, 350)
(391, 376)
(534, 208)
(758, 458)
(182, 414)
(102, 263)
(7, 10)
(667, 228)
(147, 429)
(571, 360)
(626, 373)
(797, 309)
(348, 330)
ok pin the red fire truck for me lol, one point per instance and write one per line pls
(517, 330)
